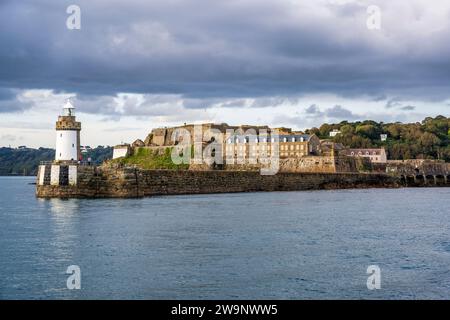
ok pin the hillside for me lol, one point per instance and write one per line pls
(148, 159)
(25, 161)
(429, 139)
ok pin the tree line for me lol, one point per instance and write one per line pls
(25, 161)
(428, 139)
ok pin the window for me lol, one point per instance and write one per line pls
(73, 146)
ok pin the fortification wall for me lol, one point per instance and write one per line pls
(327, 164)
(100, 182)
(313, 164)
(418, 167)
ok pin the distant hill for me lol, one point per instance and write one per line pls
(428, 139)
(25, 161)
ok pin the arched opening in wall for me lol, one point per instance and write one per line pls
(440, 180)
(416, 170)
(410, 180)
(430, 179)
(448, 179)
(403, 180)
(420, 179)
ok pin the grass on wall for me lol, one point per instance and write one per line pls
(148, 159)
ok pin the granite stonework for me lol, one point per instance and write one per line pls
(125, 182)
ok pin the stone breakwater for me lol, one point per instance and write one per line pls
(60, 181)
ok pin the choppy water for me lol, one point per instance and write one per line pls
(280, 245)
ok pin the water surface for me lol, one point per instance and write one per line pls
(278, 245)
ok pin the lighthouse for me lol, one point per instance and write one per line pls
(68, 135)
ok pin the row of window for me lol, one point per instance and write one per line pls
(257, 140)
(360, 153)
(282, 154)
(268, 147)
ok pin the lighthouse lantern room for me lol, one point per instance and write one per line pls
(68, 135)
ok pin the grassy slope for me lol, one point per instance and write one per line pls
(147, 159)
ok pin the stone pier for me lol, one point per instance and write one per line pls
(71, 181)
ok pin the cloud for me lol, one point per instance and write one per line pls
(227, 50)
(338, 112)
(8, 137)
(392, 103)
(159, 62)
(313, 110)
(11, 101)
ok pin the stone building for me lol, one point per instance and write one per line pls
(173, 135)
(288, 146)
(375, 155)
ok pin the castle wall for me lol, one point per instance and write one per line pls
(418, 167)
(101, 182)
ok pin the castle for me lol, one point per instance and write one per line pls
(248, 147)
(304, 162)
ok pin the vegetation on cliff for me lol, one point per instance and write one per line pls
(429, 139)
(25, 161)
(151, 159)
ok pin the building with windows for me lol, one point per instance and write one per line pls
(375, 155)
(334, 133)
(266, 146)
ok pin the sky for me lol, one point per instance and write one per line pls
(137, 65)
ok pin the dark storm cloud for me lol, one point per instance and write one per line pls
(408, 108)
(313, 110)
(338, 112)
(392, 103)
(209, 52)
(6, 94)
(9, 102)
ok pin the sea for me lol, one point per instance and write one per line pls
(330, 244)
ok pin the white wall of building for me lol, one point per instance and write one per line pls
(66, 145)
(54, 175)
(73, 175)
(120, 152)
(41, 175)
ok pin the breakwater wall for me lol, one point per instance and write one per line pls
(61, 181)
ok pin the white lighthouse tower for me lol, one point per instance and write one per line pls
(68, 135)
